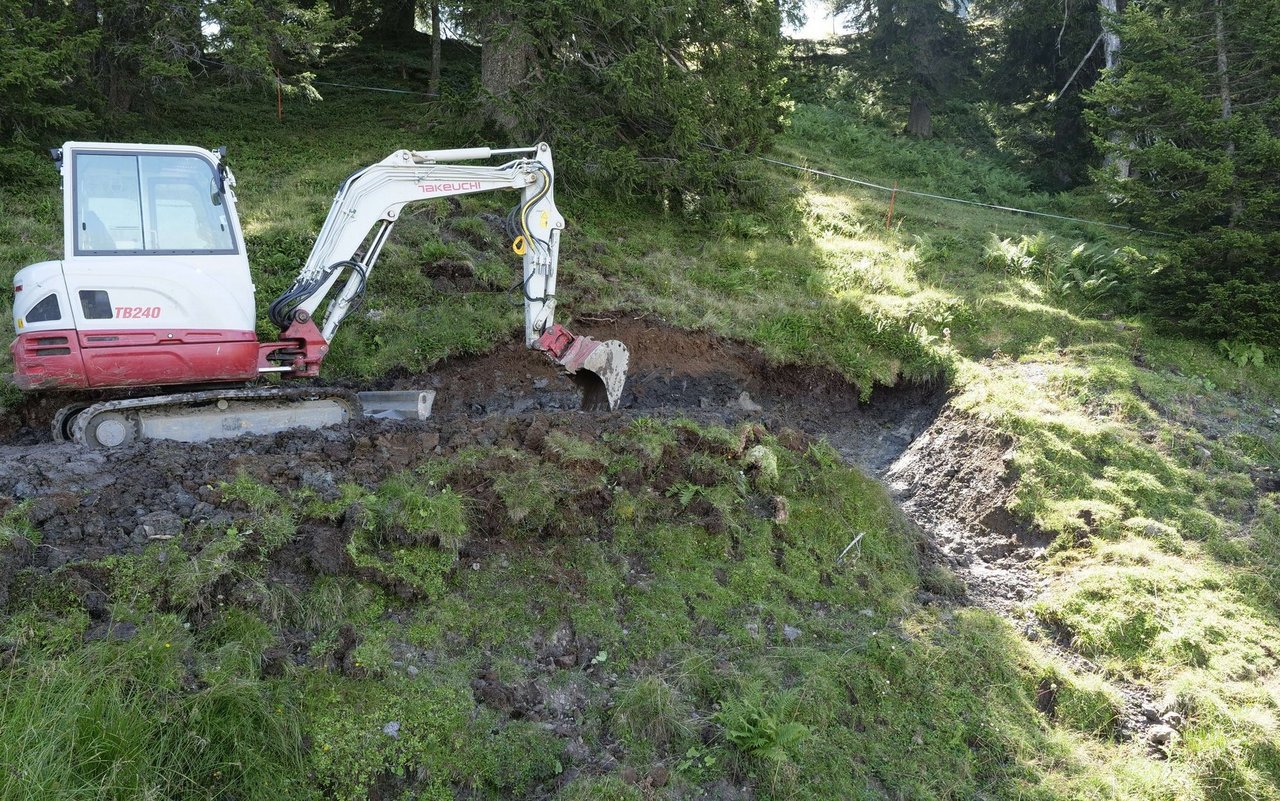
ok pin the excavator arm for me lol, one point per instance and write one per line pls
(366, 208)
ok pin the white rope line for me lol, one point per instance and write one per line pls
(374, 88)
(901, 191)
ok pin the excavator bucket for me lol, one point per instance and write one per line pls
(598, 368)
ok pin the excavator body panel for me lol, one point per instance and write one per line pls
(154, 286)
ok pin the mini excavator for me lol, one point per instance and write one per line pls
(154, 292)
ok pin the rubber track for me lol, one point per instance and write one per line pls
(191, 398)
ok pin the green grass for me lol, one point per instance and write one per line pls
(1143, 453)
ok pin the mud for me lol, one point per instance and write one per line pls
(956, 481)
(951, 474)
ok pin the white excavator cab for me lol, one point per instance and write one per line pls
(154, 285)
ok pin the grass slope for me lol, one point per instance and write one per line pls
(1151, 458)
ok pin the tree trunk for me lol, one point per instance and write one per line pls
(920, 121)
(1111, 51)
(1224, 91)
(505, 59)
(433, 82)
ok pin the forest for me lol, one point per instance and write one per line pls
(947, 466)
(1179, 133)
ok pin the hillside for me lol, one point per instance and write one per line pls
(891, 510)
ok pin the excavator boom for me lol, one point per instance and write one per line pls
(154, 291)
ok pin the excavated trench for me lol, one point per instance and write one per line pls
(92, 503)
(950, 473)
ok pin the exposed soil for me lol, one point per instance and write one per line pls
(956, 481)
(951, 473)
(91, 503)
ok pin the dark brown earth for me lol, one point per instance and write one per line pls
(951, 473)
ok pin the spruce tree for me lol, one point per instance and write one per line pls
(1194, 105)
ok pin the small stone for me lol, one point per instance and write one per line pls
(566, 660)
(753, 629)
(540, 383)
(1204, 453)
(791, 633)
(375, 315)
(411, 670)
(523, 405)
(866, 613)
(475, 565)
(392, 730)
(1150, 712)
(747, 405)
(629, 775)
(1174, 719)
(56, 558)
(1162, 735)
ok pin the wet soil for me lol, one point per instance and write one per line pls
(91, 503)
(951, 473)
(956, 481)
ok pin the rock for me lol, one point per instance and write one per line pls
(577, 750)
(56, 558)
(111, 630)
(1162, 735)
(866, 613)
(1150, 712)
(523, 405)
(411, 670)
(321, 481)
(791, 633)
(745, 403)
(753, 629)
(540, 383)
(392, 730)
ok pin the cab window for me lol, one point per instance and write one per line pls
(128, 203)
